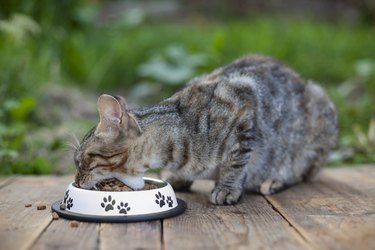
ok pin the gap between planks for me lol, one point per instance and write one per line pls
(337, 211)
(288, 221)
(251, 224)
(20, 226)
(194, 204)
(142, 235)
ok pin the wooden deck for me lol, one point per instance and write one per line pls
(335, 212)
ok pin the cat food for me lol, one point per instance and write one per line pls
(55, 216)
(115, 185)
(74, 223)
(28, 205)
(41, 207)
(62, 206)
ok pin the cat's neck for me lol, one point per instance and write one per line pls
(160, 126)
(163, 112)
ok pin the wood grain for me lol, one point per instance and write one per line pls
(20, 226)
(141, 235)
(358, 180)
(252, 224)
(60, 235)
(335, 212)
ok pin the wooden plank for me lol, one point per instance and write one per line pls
(142, 235)
(251, 224)
(332, 214)
(60, 235)
(20, 226)
(358, 179)
(5, 180)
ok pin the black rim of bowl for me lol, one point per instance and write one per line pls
(181, 207)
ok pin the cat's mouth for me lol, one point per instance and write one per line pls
(85, 186)
(88, 184)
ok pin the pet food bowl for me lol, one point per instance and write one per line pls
(120, 206)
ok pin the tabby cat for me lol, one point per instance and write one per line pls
(251, 125)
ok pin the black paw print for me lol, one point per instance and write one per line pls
(123, 208)
(69, 203)
(160, 199)
(66, 196)
(108, 203)
(169, 201)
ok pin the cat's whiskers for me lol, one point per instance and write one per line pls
(70, 146)
(75, 143)
(76, 140)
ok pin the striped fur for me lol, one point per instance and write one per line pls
(253, 124)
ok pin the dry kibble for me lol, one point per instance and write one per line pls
(107, 188)
(28, 205)
(149, 186)
(117, 186)
(55, 216)
(41, 207)
(74, 223)
(62, 206)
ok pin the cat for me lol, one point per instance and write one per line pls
(251, 125)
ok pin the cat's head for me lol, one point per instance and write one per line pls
(103, 152)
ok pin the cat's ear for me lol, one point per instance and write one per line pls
(121, 100)
(133, 128)
(129, 122)
(114, 117)
(110, 113)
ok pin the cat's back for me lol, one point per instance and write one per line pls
(259, 90)
(250, 81)
(253, 73)
(222, 96)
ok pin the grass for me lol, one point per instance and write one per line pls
(340, 56)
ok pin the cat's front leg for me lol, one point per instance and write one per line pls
(230, 186)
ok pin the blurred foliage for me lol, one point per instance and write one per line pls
(174, 66)
(64, 42)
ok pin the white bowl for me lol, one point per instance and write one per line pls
(120, 206)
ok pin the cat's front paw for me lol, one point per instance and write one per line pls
(222, 195)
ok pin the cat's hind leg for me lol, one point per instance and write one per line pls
(270, 186)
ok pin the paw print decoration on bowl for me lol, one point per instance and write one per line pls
(120, 206)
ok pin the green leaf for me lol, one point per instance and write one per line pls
(21, 111)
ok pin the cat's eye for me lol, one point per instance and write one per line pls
(96, 154)
(92, 154)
